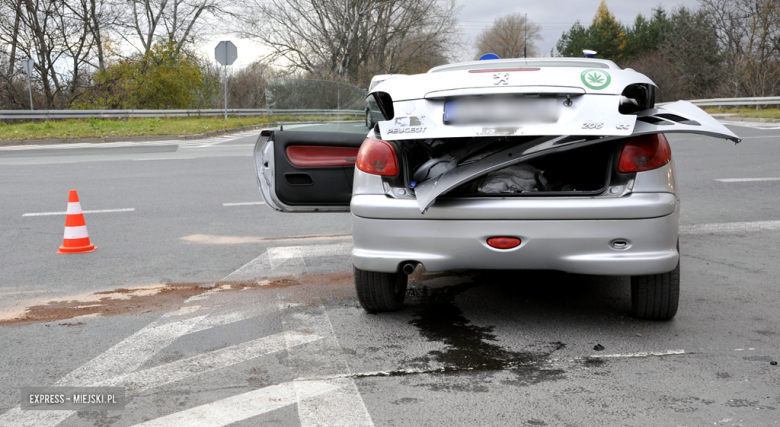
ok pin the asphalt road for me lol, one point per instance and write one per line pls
(212, 308)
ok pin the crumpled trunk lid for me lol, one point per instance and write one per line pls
(678, 117)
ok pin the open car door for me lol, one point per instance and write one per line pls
(308, 168)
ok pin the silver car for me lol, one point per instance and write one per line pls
(550, 163)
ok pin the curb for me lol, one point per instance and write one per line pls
(150, 138)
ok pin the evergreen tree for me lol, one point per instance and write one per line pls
(691, 45)
(572, 42)
(605, 35)
(646, 35)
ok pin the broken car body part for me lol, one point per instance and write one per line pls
(548, 163)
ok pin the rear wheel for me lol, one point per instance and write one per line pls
(656, 296)
(378, 292)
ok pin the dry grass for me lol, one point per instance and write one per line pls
(769, 113)
(105, 128)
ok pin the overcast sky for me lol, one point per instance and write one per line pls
(555, 17)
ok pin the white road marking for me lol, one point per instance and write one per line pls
(341, 407)
(129, 354)
(126, 356)
(243, 406)
(280, 261)
(640, 354)
(288, 252)
(230, 240)
(753, 125)
(157, 376)
(746, 179)
(68, 146)
(344, 406)
(333, 401)
(243, 204)
(165, 158)
(193, 143)
(86, 212)
(730, 227)
(228, 318)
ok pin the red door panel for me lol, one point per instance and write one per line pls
(309, 156)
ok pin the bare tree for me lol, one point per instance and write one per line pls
(510, 36)
(748, 32)
(691, 48)
(17, 13)
(662, 72)
(342, 38)
(59, 36)
(179, 21)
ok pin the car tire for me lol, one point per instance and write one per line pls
(656, 296)
(369, 122)
(380, 292)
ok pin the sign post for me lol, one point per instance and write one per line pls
(28, 66)
(226, 53)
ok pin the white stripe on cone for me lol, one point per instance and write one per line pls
(74, 208)
(76, 232)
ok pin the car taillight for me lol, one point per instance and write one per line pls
(643, 153)
(503, 242)
(377, 157)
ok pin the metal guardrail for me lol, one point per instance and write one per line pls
(126, 114)
(244, 112)
(724, 102)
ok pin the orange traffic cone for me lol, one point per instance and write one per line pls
(76, 238)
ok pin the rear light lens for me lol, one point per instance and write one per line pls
(377, 157)
(643, 153)
(503, 242)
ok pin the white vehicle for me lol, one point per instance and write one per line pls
(373, 113)
(550, 163)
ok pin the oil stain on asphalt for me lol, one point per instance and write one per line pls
(471, 347)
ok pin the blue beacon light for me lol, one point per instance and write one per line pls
(488, 56)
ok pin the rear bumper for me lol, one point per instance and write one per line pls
(574, 246)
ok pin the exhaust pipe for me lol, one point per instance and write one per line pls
(408, 267)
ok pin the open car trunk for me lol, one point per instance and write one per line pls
(580, 172)
(545, 165)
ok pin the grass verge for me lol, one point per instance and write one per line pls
(106, 128)
(769, 113)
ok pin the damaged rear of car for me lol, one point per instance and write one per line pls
(558, 164)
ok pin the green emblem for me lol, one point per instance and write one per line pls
(595, 79)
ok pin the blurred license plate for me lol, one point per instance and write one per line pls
(501, 110)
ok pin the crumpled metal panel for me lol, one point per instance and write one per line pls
(688, 118)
